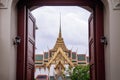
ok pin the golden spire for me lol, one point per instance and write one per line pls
(60, 41)
(60, 34)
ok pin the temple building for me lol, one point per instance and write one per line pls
(55, 62)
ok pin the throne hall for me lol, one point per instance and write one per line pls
(56, 61)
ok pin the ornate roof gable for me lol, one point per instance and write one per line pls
(59, 51)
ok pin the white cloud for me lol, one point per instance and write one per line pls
(74, 27)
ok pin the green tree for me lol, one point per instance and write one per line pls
(79, 72)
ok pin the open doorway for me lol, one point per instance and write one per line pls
(25, 57)
(73, 22)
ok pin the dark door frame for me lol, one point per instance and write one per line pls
(94, 6)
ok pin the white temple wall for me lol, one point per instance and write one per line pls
(8, 31)
(112, 31)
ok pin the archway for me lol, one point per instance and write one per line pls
(96, 29)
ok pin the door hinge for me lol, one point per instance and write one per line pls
(103, 40)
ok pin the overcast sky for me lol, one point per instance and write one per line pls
(74, 25)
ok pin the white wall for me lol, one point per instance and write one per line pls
(7, 49)
(114, 43)
(107, 35)
(112, 31)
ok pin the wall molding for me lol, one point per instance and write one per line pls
(116, 4)
(3, 4)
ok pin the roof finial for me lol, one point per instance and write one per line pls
(60, 34)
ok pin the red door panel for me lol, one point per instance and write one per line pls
(30, 49)
(92, 48)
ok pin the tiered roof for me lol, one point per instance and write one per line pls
(60, 43)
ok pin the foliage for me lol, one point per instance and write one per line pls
(80, 72)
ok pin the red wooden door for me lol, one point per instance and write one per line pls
(92, 48)
(30, 46)
(96, 48)
(26, 48)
